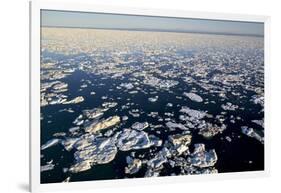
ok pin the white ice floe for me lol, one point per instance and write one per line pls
(125, 118)
(109, 105)
(159, 83)
(94, 113)
(209, 130)
(97, 126)
(155, 165)
(252, 133)
(76, 100)
(60, 86)
(49, 166)
(193, 96)
(134, 165)
(127, 85)
(202, 158)
(140, 126)
(193, 113)
(153, 99)
(259, 122)
(130, 139)
(69, 143)
(173, 126)
(50, 143)
(169, 105)
(73, 129)
(179, 143)
(229, 107)
(95, 151)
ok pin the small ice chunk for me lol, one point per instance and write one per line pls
(50, 143)
(153, 99)
(193, 113)
(49, 166)
(76, 100)
(173, 126)
(140, 126)
(193, 97)
(229, 107)
(252, 133)
(134, 165)
(127, 85)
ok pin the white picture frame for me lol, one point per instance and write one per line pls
(36, 6)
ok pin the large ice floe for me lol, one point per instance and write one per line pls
(202, 158)
(97, 126)
(91, 149)
(130, 139)
(97, 151)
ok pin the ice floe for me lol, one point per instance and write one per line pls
(130, 139)
(210, 130)
(96, 151)
(97, 126)
(252, 133)
(229, 106)
(193, 97)
(202, 158)
(140, 126)
(193, 113)
(50, 143)
(76, 100)
(173, 126)
(134, 165)
(49, 166)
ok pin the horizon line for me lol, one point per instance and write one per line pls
(156, 30)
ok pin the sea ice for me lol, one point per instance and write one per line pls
(97, 151)
(193, 97)
(103, 124)
(193, 113)
(229, 107)
(130, 139)
(49, 166)
(153, 99)
(76, 100)
(134, 165)
(202, 158)
(173, 126)
(252, 133)
(140, 126)
(209, 130)
(50, 143)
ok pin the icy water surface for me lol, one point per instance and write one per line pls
(124, 104)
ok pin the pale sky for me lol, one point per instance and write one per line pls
(115, 21)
